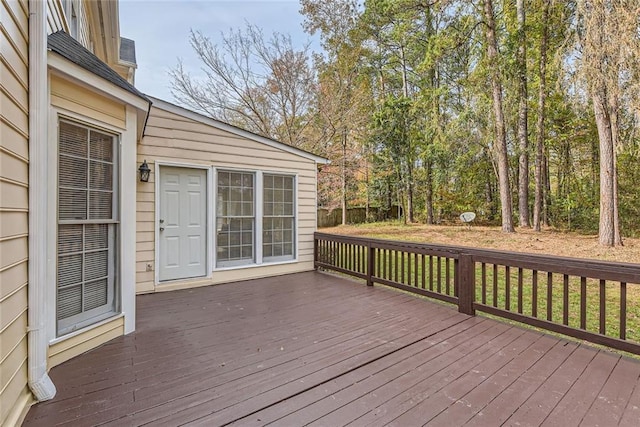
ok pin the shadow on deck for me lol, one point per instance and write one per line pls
(312, 348)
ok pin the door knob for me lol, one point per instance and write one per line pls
(161, 228)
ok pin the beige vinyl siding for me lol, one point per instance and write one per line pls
(55, 16)
(84, 341)
(171, 137)
(58, 20)
(69, 96)
(84, 36)
(14, 208)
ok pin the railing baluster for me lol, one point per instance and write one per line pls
(623, 310)
(395, 265)
(408, 268)
(507, 286)
(430, 273)
(383, 253)
(371, 263)
(456, 278)
(603, 306)
(415, 273)
(402, 268)
(565, 300)
(447, 276)
(439, 284)
(520, 280)
(424, 270)
(495, 285)
(583, 303)
(534, 294)
(549, 296)
(484, 283)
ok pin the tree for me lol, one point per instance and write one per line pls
(540, 129)
(260, 84)
(342, 98)
(523, 134)
(500, 145)
(610, 48)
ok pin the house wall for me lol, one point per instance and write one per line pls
(14, 205)
(170, 137)
(72, 97)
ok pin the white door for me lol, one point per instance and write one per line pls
(182, 223)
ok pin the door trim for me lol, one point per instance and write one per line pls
(156, 231)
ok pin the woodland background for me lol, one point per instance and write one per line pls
(523, 111)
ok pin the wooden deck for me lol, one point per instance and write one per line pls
(315, 349)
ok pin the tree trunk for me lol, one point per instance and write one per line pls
(606, 227)
(546, 181)
(540, 131)
(344, 178)
(367, 206)
(613, 114)
(523, 161)
(501, 140)
(429, 195)
(410, 215)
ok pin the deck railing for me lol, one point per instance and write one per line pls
(596, 301)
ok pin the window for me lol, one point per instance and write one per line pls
(87, 226)
(242, 227)
(235, 218)
(279, 218)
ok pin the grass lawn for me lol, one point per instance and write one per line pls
(548, 242)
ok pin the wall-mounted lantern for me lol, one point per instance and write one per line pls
(145, 170)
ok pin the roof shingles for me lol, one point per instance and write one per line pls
(66, 46)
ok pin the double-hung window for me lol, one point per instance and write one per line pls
(87, 226)
(235, 218)
(278, 222)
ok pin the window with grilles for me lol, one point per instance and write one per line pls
(235, 218)
(278, 229)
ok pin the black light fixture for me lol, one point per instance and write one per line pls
(145, 170)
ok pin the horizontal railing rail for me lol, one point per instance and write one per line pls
(597, 301)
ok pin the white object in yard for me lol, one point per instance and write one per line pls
(467, 217)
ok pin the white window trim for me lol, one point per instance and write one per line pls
(125, 292)
(259, 199)
(210, 219)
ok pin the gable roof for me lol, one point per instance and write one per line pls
(67, 47)
(181, 111)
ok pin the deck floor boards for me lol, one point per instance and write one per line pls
(317, 349)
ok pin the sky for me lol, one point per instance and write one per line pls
(160, 29)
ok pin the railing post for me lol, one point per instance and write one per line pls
(315, 252)
(371, 262)
(466, 282)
